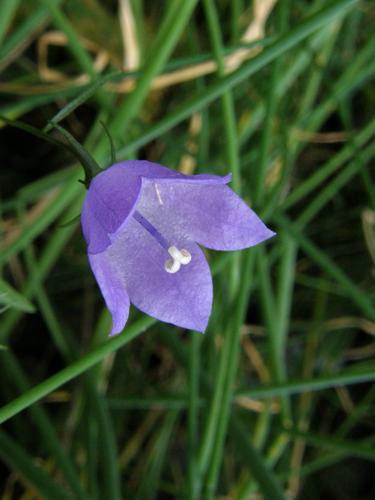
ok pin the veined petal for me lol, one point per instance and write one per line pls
(110, 200)
(138, 215)
(183, 298)
(113, 194)
(210, 214)
(149, 170)
(113, 290)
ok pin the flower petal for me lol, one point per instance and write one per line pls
(183, 298)
(112, 196)
(210, 214)
(113, 290)
(149, 170)
(110, 200)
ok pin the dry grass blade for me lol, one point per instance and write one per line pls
(129, 37)
(254, 32)
(57, 38)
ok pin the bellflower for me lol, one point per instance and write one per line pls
(143, 224)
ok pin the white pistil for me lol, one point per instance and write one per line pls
(172, 266)
(178, 257)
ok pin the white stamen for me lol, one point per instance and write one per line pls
(172, 266)
(184, 257)
(158, 195)
(178, 257)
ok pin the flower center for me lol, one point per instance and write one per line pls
(179, 257)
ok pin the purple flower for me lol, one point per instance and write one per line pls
(143, 223)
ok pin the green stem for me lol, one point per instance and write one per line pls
(13, 455)
(271, 101)
(310, 25)
(73, 370)
(193, 409)
(178, 14)
(42, 422)
(232, 344)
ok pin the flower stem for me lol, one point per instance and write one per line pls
(89, 165)
(229, 369)
(194, 361)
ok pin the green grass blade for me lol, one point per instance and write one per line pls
(316, 179)
(74, 45)
(176, 19)
(356, 375)
(16, 41)
(9, 297)
(32, 230)
(249, 68)
(358, 296)
(217, 424)
(13, 455)
(81, 98)
(43, 425)
(77, 368)
(8, 9)
(328, 193)
(358, 449)
(148, 489)
(267, 481)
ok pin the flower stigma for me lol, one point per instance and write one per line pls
(179, 257)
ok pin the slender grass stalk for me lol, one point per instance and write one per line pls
(358, 297)
(249, 68)
(46, 261)
(277, 362)
(271, 102)
(286, 275)
(108, 452)
(177, 17)
(73, 370)
(361, 408)
(267, 481)
(8, 10)
(74, 44)
(69, 351)
(193, 408)
(13, 454)
(329, 168)
(320, 71)
(227, 101)
(232, 344)
(44, 426)
(228, 113)
(158, 456)
(20, 36)
(229, 122)
(325, 195)
(53, 210)
(288, 77)
(361, 449)
(362, 373)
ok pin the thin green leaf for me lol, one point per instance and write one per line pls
(73, 370)
(13, 455)
(8, 9)
(88, 92)
(10, 297)
(216, 89)
(353, 376)
(267, 481)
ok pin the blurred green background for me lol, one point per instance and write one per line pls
(276, 400)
